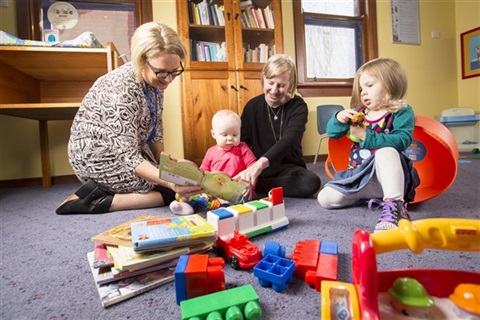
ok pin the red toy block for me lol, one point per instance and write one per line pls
(275, 196)
(203, 275)
(305, 257)
(327, 269)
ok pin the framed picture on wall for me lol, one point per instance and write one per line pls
(470, 51)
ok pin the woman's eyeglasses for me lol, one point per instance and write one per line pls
(162, 74)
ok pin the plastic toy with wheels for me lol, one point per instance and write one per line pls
(238, 251)
(362, 298)
(431, 141)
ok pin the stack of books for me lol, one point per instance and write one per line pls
(141, 254)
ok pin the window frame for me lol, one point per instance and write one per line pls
(323, 87)
(28, 16)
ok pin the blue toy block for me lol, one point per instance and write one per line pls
(222, 213)
(274, 271)
(329, 247)
(274, 248)
(180, 278)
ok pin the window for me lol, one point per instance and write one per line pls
(109, 20)
(332, 40)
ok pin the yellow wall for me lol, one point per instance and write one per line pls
(433, 67)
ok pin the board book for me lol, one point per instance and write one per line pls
(170, 232)
(108, 274)
(121, 235)
(185, 172)
(121, 290)
(102, 257)
(127, 259)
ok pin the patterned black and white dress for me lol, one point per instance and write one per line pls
(111, 128)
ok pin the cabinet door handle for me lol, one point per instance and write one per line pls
(236, 16)
(228, 16)
(233, 87)
(244, 88)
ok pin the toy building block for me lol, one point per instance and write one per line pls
(274, 271)
(237, 303)
(261, 210)
(223, 220)
(239, 251)
(197, 275)
(245, 217)
(276, 200)
(305, 257)
(316, 261)
(180, 280)
(274, 248)
(252, 218)
(330, 247)
(327, 269)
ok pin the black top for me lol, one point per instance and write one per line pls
(280, 141)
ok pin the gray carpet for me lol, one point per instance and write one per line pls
(44, 271)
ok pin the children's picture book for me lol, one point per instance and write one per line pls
(170, 232)
(127, 259)
(121, 235)
(121, 290)
(107, 274)
(102, 257)
(185, 172)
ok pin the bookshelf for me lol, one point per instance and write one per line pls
(228, 43)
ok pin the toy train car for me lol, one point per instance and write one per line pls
(252, 218)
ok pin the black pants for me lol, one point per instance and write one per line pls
(167, 194)
(297, 181)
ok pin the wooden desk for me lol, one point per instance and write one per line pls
(45, 83)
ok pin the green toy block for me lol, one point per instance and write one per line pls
(236, 303)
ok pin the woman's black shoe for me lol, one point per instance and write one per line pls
(91, 199)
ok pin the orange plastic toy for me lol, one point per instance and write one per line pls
(434, 152)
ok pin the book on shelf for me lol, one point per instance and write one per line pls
(185, 172)
(170, 232)
(101, 256)
(220, 14)
(128, 259)
(121, 235)
(107, 274)
(121, 290)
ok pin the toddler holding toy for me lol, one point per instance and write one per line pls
(378, 170)
(229, 156)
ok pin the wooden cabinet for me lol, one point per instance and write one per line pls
(224, 61)
(49, 83)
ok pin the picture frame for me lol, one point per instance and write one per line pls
(470, 53)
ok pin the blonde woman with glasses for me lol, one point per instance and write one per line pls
(117, 134)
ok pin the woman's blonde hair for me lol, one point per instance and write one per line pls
(392, 77)
(279, 64)
(149, 40)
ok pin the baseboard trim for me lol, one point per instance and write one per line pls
(70, 179)
(34, 182)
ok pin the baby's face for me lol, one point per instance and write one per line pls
(226, 134)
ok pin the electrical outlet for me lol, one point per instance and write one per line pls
(436, 34)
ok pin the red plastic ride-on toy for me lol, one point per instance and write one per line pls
(238, 251)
